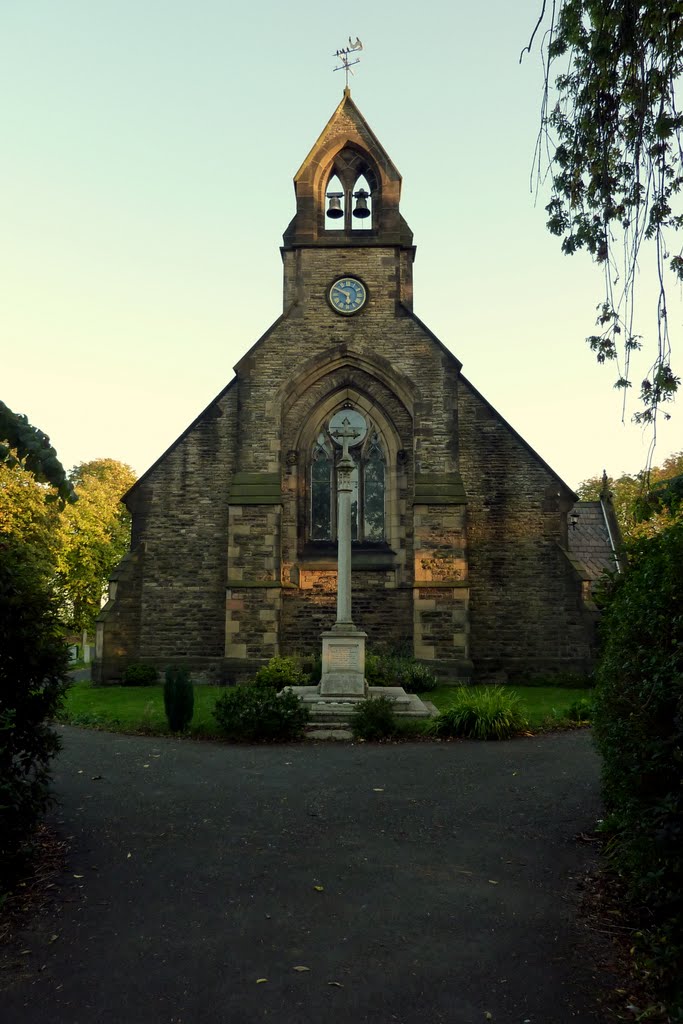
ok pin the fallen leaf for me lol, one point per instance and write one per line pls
(489, 1016)
(337, 984)
(23, 951)
(260, 981)
(96, 777)
(80, 771)
(53, 938)
(377, 790)
(128, 856)
(300, 968)
(78, 876)
(492, 882)
(318, 888)
(145, 766)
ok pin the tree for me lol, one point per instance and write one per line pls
(614, 139)
(638, 726)
(33, 674)
(94, 535)
(29, 515)
(21, 443)
(645, 503)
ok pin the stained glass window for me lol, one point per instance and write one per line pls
(367, 479)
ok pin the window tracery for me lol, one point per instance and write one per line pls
(368, 480)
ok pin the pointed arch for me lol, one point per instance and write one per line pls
(333, 360)
(374, 488)
(360, 184)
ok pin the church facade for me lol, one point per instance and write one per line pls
(460, 530)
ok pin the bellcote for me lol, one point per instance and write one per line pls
(348, 172)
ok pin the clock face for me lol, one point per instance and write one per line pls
(347, 295)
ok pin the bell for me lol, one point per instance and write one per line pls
(361, 208)
(334, 210)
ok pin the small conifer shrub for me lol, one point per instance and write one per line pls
(178, 697)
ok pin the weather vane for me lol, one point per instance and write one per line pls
(343, 56)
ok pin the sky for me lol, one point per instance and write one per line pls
(148, 152)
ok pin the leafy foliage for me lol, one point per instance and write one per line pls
(399, 670)
(25, 445)
(140, 674)
(580, 711)
(33, 674)
(94, 536)
(638, 724)
(77, 545)
(178, 697)
(645, 503)
(256, 712)
(28, 517)
(614, 136)
(482, 713)
(374, 719)
(281, 672)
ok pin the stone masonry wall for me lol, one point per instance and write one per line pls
(379, 607)
(383, 328)
(526, 614)
(180, 518)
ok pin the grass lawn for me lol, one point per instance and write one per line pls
(542, 704)
(134, 708)
(141, 708)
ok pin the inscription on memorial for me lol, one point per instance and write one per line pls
(343, 656)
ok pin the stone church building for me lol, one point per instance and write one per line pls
(460, 530)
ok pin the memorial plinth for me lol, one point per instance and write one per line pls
(343, 662)
(343, 668)
(342, 682)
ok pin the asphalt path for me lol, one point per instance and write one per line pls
(315, 882)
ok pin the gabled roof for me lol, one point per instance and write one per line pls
(348, 121)
(591, 541)
(347, 148)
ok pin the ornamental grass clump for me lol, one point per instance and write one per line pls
(482, 713)
(178, 698)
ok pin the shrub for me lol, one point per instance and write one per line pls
(34, 663)
(178, 698)
(399, 670)
(580, 711)
(281, 672)
(313, 669)
(140, 674)
(638, 725)
(482, 713)
(415, 677)
(259, 713)
(374, 719)
(378, 670)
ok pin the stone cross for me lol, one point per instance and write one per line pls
(344, 488)
(347, 435)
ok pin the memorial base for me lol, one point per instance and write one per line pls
(343, 663)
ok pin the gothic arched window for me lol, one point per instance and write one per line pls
(350, 194)
(368, 480)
